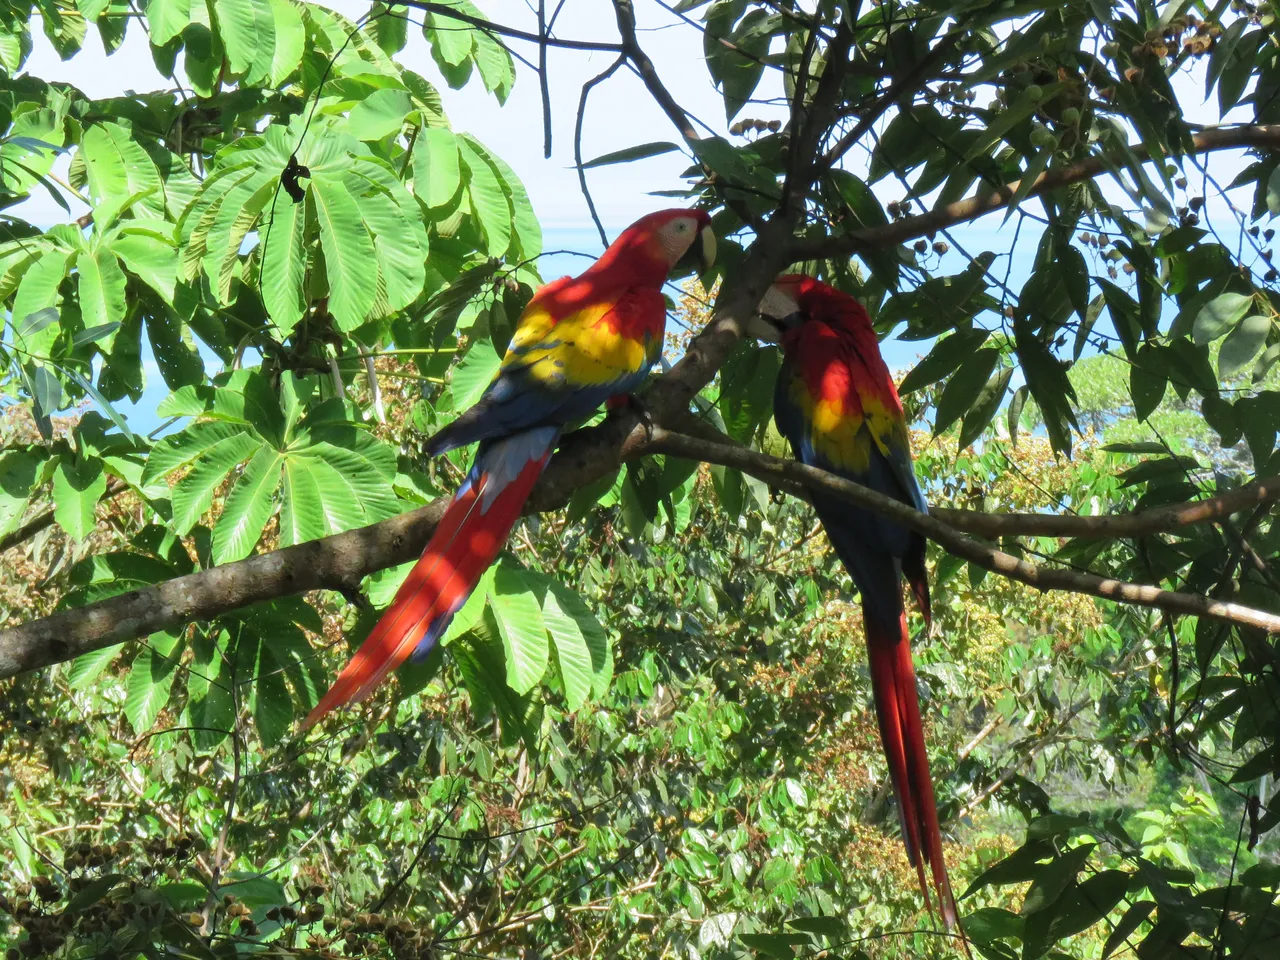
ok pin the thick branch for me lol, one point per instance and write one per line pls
(1112, 526)
(42, 521)
(338, 562)
(948, 215)
(773, 470)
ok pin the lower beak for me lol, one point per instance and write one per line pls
(706, 249)
(772, 329)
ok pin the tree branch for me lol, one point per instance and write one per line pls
(1225, 138)
(1121, 526)
(771, 469)
(453, 13)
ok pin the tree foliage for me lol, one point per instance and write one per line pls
(647, 732)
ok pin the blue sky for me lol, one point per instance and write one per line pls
(621, 114)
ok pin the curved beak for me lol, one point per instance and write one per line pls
(778, 313)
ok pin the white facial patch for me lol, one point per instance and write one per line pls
(677, 236)
(777, 303)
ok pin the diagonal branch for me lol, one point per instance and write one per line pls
(454, 13)
(773, 470)
(1266, 137)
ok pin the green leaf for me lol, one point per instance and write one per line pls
(639, 152)
(1049, 386)
(192, 496)
(102, 287)
(989, 924)
(248, 31)
(86, 668)
(1218, 316)
(348, 252)
(120, 173)
(167, 19)
(488, 199)
(1130, 922)
(582, 646)
(39, 291)
(437, 169)
(1242, 345)
(328, 490)
(1089, 903)
(19, 471)
(985, 406)
(284, 264)
(832, 927)
(77, 488)
(451, 39)
(153, 260)
(943, 360)
(473, 375)
(150, 681)
(964, 387)
(247, 508)
(1052, 878)
(380, 114)
(524, 634)
(1147, 383)
(291, 37)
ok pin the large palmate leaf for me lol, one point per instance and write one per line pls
(324, 472)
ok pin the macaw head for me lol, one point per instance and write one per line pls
(796, 299)
(660, 243)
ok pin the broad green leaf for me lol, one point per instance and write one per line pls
(964, 387)
(451, 39)
(179, 362)
(120, 173)
(945, 357)
(77, 488)
(528, 231)
(38, 291)
(247, 508)
(399, 236)
(582, 646)
(520, 624)
(472, 376)
(290, 41)
(86, 668)
(1242, 345)
(192, 496)
(271, 705)
(328, 490)
(488, 199)
(380, 114)
(283, 263)
(248, 30)
(167, 19)
(348, 252)
(1219, 316)
(178, 450)
(150, 681)
(102, 287)
(1130, 922)
(152, 260)
(984, 407)
(437, 169)
(19, 470)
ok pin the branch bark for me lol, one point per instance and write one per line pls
(1227, 138)
(771, 469)
(1120, 526)
(453, 13)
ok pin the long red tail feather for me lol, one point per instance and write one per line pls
(893, 684)
(465, 543)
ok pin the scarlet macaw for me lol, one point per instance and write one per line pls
(837, 406)
(580, 342)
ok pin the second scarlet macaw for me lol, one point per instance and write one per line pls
(836, 404)
(580, 342)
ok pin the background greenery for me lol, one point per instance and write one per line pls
(649, 732)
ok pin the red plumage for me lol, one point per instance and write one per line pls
(837, 405)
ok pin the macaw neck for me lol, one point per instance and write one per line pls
(632, 260)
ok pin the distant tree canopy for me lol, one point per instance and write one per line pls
(647, 734)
